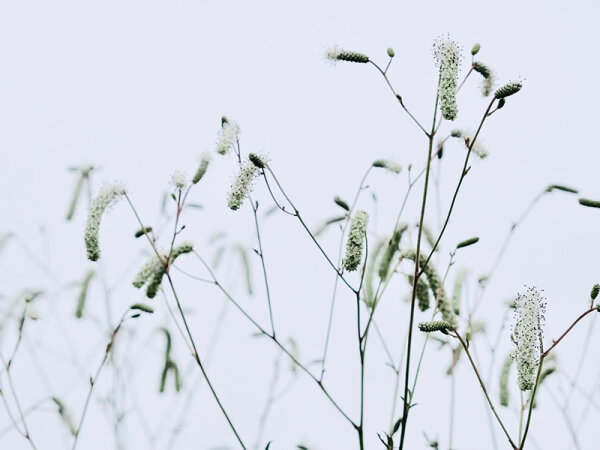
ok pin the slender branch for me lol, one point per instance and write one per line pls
(398, 97)
(543, 356)
(339, 260)
(406, 402)
(275, 340)
(297, 214)
(482, 384)
(196, 355)
(262, 260)
(462, 177)
(556, 341)
(94, 379)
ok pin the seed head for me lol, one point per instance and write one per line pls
(230, 132)
(504, 375)
(336, 54)
(108, 196)
(356, 238)
(242, 185)
(488, 77)
(390, 165)
(204, 162)
(447, 56)
(178, 180)
(527, 335)
(478, 148)
(259, 161)
(435, 325)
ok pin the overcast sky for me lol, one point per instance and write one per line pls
(138, 88)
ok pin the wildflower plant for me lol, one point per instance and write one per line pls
(108, 196)
(404, 258)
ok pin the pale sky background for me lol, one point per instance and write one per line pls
(138, 88)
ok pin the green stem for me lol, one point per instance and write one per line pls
(539, 372)
(483, 388)
(183, 318)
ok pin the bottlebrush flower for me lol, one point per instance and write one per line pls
(356, 238)
(204, 162)
(527, 335)
(106, 197)
(447, 56)
(243, 184)
(230, 132)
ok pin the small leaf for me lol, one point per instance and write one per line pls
(142, 307)
(467, 242)
(589, 203)
(341, 203)
(559, 187)
(397, 425)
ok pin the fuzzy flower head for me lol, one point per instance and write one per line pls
(447, 56)
(336, 54)
(107, 196)
(204, 162)
(153, 271)
(487, 83)
(527, 335)
(242, 185)
(479, 149)
(356, 239)
(179, 180)
(392, 166)
(228, 136)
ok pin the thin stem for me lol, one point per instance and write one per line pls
(556, 341)
(25, 433)
(297, 214)
(543, 355)
(262, 260)
(462, 177)
(275, 340)
(483, 388)
(406, 402)
(94, 379)
(398, 97)
(339, 259)
(196, 355)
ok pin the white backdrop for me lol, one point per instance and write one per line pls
(138, 88)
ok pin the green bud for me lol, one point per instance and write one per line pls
(390, 52)
(341, 203)
(257, 160)
(595, 291)
(559, 187)
(204, 162)
(508, 89)
(467, 242)
(475, 49)
(435, 325)
(337, 54)
(589, 203)
(143, 231)
(501, 104)
(142, 307)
